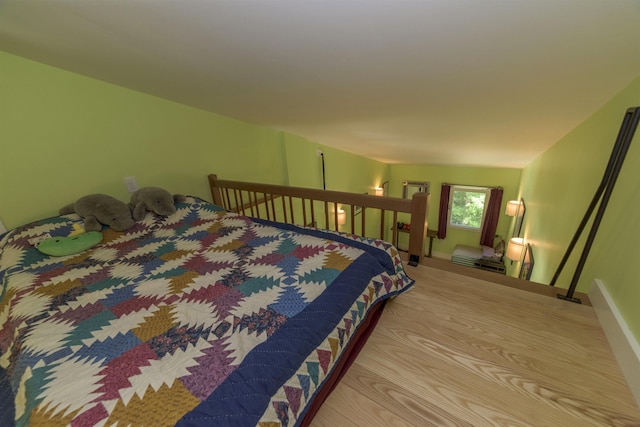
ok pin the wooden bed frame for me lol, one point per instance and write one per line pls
(319, 208)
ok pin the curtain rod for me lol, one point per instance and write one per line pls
(473, 186)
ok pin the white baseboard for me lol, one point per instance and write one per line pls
(624, 345)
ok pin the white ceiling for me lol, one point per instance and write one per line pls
(466, 82)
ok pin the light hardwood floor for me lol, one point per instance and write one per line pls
(460, 351)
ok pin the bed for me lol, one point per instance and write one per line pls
(205, 317)
(470, 256)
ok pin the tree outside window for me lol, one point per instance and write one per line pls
(468, 206)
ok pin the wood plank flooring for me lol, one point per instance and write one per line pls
(461, 351)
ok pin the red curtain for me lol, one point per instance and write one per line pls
(490, 224)
(444, 211)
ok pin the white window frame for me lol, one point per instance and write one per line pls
(474, 189)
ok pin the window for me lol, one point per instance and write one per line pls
(467, 206)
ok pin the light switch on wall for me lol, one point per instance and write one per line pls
(130, 182)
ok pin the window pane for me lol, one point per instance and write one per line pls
(467, 208)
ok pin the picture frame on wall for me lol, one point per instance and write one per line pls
(526, 267)
(410, 187)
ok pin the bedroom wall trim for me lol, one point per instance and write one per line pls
(623, 343)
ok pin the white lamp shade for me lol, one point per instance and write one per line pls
(378, 191)
(342, 217)
(512, 208)
(514, 248)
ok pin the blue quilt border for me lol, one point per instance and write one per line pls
(244, 396)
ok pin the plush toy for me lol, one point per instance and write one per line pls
(97, 209)
(72, 244)
(153, 199)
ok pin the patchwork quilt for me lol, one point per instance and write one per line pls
(201, 318)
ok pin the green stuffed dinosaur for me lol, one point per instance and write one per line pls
(62, 246)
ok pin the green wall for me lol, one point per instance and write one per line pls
(343, 171)
(559, 185)
(64, 135)
(506, 178)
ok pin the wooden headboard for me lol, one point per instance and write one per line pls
(319, 208)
